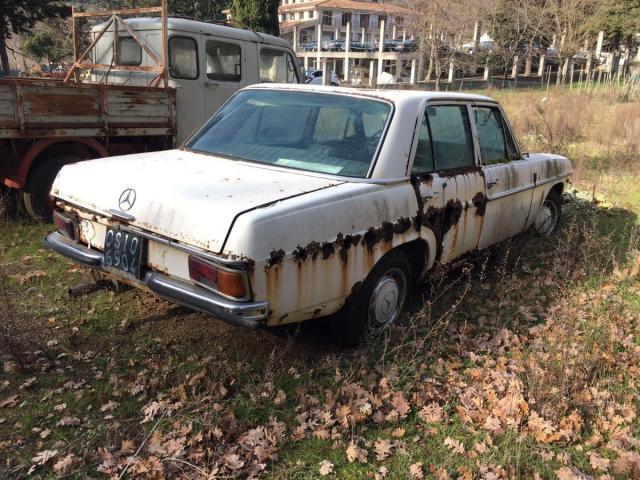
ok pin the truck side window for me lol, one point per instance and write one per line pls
(129, 52)
(223, 61)
(423, 160)
(491, 138)
(183, 58)
(451, 136)
(277, 66)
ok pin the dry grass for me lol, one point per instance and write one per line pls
(595, 129)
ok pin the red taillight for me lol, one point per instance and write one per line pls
(203, 273)
(227, 282)
(67, 226)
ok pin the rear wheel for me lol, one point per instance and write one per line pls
(37, 202)
(377, 303)
(548, 216)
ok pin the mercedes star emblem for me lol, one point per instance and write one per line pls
(127, 199)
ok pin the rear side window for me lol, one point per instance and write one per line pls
(223, 61)
(423, 160)
(277, 66)
(129, 52)
(451, 136)
(183, 58)
(491, 138)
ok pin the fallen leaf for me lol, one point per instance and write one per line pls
(9, 402)
(356, 453)
(62, 465)
(69, 422)
(598, 463)
(415, 470)
(326, 467)
(110, 406)
(455, 445)
(383, 449)
(44, 456)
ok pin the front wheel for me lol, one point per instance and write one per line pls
(548, 216)
(377, 303)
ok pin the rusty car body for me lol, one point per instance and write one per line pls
(297, 231)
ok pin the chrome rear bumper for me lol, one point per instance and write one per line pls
(245, 314)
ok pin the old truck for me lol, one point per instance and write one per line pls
(142, 84)
(362, 194)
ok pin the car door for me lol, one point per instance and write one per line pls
(225, 72)
(455, 182)
(184, 69)
(509, 180)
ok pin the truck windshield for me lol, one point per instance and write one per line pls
(318, 132)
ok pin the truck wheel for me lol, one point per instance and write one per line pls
(548, 216)
(37, 201)
(377, 303)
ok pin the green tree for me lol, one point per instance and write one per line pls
(44, 44)
(258, 15)
(20, 16)
(619, 19)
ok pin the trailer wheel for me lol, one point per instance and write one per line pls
(37, 202)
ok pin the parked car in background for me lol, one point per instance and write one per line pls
(359, 196)
(314, 77)
(333, 45)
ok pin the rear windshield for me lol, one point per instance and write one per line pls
(318, 132)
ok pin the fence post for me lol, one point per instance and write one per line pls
(381, 48)
(347, 48)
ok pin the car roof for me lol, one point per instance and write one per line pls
(194, 26)
(390, 94)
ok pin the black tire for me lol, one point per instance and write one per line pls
(35, 195)
(548, 216)
(356, 322)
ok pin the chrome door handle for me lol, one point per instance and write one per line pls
(210, 83)
(492, 184)
(429, 196)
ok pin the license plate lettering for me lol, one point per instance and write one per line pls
(123, 251)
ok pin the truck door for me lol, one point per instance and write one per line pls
(277, 65)
(184, 69)
(509, 183)
(225, 70)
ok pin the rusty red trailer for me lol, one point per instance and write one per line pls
(45, 124)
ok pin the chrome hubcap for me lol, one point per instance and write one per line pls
(387, 299)
(546, 218)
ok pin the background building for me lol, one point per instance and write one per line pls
(358, 40)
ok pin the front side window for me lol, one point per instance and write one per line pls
(364, 20)
(223, 61)
(346, 18)
(318, 132)
(129, 51)
(327, 18)
(451, 136)
(277, 66)
(183, 58)
(493, 147)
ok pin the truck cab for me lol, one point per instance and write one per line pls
(207, 62)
